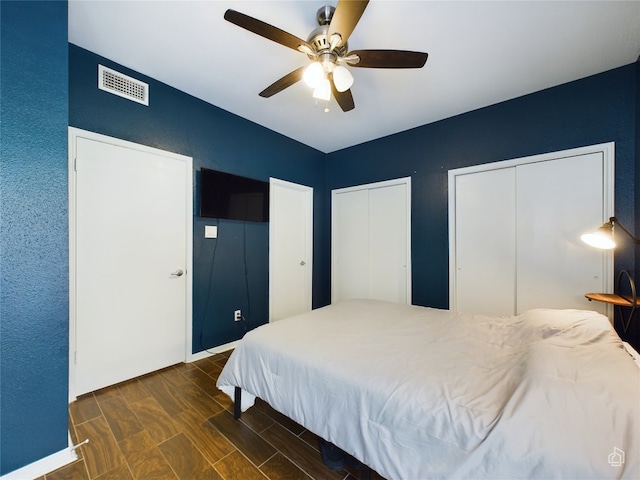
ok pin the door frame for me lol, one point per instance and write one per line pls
(74, 135)
(308, 199)
(608, 181)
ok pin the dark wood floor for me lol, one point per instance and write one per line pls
(175, 424)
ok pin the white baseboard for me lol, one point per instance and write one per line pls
(210, 351)
(44, 465)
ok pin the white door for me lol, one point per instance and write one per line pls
(290, 249)
(515, 231)
(371, 242)
(388, 231)
(131, 256)
(557, 202)
(349, 245)
(485, 261)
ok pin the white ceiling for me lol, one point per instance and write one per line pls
(480, 53)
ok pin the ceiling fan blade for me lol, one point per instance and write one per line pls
(345, 18)
(344, 99)
(286, 81)
(389, 59)
(264, 29)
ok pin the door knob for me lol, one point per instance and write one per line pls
(177, 273)
(303, 263)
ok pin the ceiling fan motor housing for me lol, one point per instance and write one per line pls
(318, 37)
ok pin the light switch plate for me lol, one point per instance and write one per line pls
(210, 231)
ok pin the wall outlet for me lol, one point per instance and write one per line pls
(237, 315)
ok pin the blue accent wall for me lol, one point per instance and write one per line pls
(230, 272)
(34, 292)
(597, 109)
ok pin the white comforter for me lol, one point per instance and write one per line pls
(420, 393)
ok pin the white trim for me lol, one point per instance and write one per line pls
(608, 180)
(194, 357)
(369, 186)
(74, 134)
(607, 148)
(308, 198)
(44, 465)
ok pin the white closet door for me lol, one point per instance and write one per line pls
(515, 231)
(371, 242)
(350, 245)
(388, 243)
(485, 242)
(558, 201)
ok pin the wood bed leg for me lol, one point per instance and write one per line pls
(365, 474)
(237, 397)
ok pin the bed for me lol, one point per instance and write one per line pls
(423, 393)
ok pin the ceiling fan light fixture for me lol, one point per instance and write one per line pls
(313, 74)
(342, 78)
(323, 90)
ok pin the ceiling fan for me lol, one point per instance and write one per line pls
(327, 48)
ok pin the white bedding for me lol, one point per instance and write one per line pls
(421, 393)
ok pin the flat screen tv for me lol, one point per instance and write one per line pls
(227, 196)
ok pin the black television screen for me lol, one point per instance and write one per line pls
(223, 195)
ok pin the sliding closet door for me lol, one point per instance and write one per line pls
(485, 242)
(350, 245)
(388, 243)
(370, 242)
(515, 231)
(557, 202)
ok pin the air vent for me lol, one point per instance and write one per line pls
(122, 85)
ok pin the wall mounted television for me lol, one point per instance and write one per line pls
(232, 197)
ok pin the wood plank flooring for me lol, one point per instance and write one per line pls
(175, 424)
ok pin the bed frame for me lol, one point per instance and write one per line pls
(365, 471)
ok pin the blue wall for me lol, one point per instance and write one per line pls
(597, 109)
(177, 122)
(34, 292)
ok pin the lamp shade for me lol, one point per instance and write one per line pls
(323, 90)
(313, 74)
(342, 78)
(601, 238)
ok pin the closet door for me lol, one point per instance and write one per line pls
(557, 202)
(370, 242)
(485, 273)
(350, 245)
(515, 231)
(388, 243)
